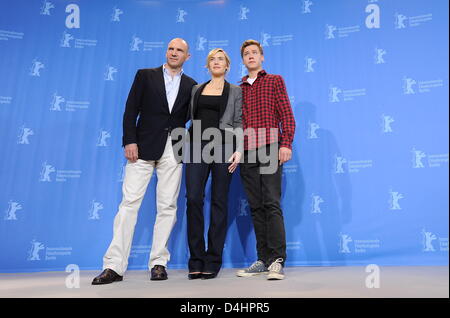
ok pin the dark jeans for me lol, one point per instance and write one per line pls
(264, 193)
(210, 260)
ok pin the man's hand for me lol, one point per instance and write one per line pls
(234, 159)
(284, 154)
(131, 152)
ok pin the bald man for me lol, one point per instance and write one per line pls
(159, 97)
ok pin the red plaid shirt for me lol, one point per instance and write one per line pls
(265, 104)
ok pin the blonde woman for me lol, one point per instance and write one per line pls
(216, 105)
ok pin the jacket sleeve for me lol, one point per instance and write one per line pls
(237, 121)
(132, 110)
(191, 103)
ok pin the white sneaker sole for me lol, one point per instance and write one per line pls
(275, 276)
(243, 274)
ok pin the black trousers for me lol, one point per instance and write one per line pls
(264, 194)
(208, 259)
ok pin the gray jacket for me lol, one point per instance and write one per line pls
(230, 109)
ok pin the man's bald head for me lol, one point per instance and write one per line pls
(177, 53)
(180, 41)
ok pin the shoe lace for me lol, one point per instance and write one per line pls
(276, 266)
(255, 265)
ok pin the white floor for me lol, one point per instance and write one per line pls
(300, 282)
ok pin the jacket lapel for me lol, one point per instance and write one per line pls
(197, 95)
(183, 89)
(224, 98)
(161, 87)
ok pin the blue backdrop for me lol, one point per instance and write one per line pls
(367, 79)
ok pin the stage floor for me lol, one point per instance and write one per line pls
(300, 282)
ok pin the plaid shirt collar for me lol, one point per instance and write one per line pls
(260, 73)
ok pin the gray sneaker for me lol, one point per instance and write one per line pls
(257, 268)
(276, 270)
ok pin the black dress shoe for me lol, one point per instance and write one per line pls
(209, 275)
(158, 273)
(108, 276)
(195, 276)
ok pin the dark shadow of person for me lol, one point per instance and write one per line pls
(322, 195)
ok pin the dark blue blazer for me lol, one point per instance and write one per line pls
(147, 103)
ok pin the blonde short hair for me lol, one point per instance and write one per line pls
(213, 52)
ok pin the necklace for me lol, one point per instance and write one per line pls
(217, 87)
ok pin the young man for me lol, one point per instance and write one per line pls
(160, 97)
(265, 106)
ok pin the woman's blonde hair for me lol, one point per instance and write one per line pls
(213, 52)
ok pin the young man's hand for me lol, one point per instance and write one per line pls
(284, 154)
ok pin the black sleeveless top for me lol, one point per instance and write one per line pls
(208, 110)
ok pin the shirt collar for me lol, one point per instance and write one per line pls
(260, 73)
(166, 71)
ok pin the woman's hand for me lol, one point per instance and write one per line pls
(234, 159)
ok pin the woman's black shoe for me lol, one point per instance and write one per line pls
(208, 275)
(195, 276)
